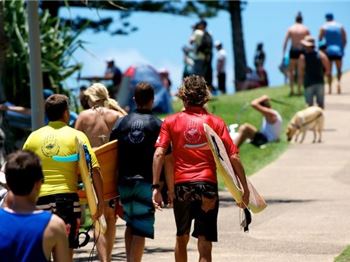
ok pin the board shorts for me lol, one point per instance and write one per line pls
(187, 206)
(295, 53)
(138, 209)
(259, 139)
(67, 207)
(334, 57)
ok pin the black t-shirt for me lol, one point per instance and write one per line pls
(136, 134)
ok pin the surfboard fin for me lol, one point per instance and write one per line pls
(247, 219)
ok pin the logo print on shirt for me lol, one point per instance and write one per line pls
(136, 134)
(50, 146)
(192, 134)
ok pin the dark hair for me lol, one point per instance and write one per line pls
(299, 18)
(143, 93)
(194, 91)
(22, 171)
(55, 106)
(329, 17)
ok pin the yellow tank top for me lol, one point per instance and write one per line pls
(57, 139)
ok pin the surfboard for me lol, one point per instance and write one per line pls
(107, 157)
(85, 173)
(225, 170)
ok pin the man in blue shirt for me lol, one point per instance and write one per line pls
(335, 36)
(28, 234)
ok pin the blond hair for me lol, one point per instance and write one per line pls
(98, 93)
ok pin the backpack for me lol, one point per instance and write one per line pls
(206, 44)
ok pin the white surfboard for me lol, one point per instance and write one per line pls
(225, 170)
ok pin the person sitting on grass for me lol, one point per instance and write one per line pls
(271, 125)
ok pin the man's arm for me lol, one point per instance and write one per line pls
(169, 176)
(17, 109)
(55, 240)
(286, 41)
(321, 34)
(257, 104)
(343, 36)
(239, 171)
(325, 63)
(158, 161)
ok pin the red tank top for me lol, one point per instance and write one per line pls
(194, 161)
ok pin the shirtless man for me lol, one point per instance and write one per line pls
(97, 123)
(295, 33)
(28, 234)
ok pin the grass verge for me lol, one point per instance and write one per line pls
(344, 256)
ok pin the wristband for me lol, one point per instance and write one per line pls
(155, 186)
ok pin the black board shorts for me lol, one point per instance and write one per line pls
(67, 207)
(259, 139)
(295, 53)
(187, 206)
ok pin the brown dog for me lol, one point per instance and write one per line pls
(311, 118)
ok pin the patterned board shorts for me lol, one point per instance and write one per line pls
(188, 205)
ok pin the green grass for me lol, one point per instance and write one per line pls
(344, 256)
(236, 109)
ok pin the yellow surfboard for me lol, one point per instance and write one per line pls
(88, 185)
(225, 170)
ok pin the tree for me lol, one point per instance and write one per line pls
(185, 8)
(58, 44)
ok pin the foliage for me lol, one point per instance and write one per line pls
(344, 256)
(58, 44)
(236, 109)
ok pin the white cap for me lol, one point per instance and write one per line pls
(217, 43)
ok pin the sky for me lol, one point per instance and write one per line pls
(160, 37)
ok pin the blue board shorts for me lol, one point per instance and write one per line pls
(136, 199)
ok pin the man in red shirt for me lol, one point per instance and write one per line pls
(195, 193)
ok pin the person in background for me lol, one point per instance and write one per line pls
(316, 65)
(188, 61)
(196, 189)
(221, 66)
(259, 57)
(271, 125)
(59, 192)
(295, 34)
(335, 36)
(97, 123)
(164, 77)
(115, 74)
(28, 234)
(202, 43)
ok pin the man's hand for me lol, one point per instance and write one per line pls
(171, 196)
(157, 199)
(245, 200)
(99, 211)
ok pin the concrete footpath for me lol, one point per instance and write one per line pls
(308, 213)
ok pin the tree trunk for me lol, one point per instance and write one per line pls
(3, 47)
(239, 57)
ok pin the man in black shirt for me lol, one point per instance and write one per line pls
(137, 134)
(316, 65)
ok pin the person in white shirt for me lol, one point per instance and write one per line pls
(220, 66)
(271, 125)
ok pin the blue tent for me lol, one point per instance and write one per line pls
(144, 73)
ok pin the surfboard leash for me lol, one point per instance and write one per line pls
(246, 220)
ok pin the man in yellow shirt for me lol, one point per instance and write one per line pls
(59, 192)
